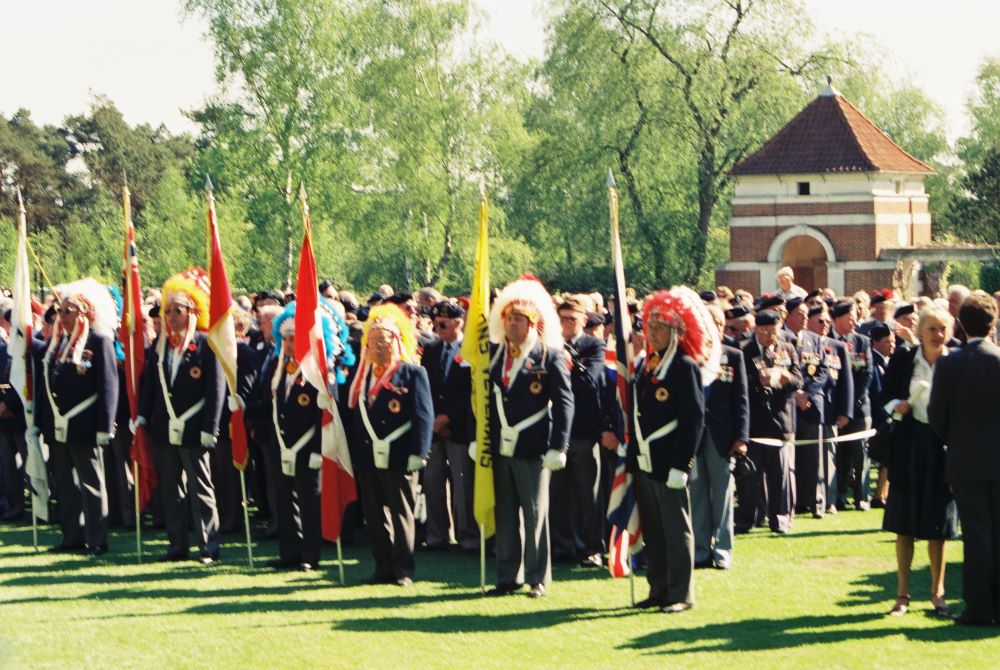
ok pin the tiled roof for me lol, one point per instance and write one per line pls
(829, 135)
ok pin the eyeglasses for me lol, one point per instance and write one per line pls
(69, 310)
(441, 325)
(176, 310)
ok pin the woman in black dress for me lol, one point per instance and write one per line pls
(920, 504)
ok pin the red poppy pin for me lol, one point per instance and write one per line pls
(191, 346)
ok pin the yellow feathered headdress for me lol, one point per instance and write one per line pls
(192, 288)
(388, 317)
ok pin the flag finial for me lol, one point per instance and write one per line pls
(611, 179)
(482, 190)
(20, 201)
(208, 183)
(302, 191)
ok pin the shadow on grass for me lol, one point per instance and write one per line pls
(881, 587)
(478, 623)
(771, 634)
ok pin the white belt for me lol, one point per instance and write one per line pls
(61, 421)
(175, 431)
(380, 447)
(645, 462)
(509, 433)
(288, 454)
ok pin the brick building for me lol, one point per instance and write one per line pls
(825, 196)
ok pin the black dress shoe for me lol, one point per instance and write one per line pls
(592, 561)
(99, 550)
(378, 579)
(699, 565)
(503, 590)
(404, 581)
(208, 560)
(63, 548)
(676, 608)
(308, 567)
(648, 603)
(280, 564)
(537, 591)
(965, 620)
(170, 557)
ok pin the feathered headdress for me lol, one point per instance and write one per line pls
(191, 287)
(386, 316)
(697, 335)
(334, 335)
(98, 309)
(527, 296)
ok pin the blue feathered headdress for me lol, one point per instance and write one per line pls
(338, 353)
(116, 295)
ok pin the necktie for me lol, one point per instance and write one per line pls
(446, 358)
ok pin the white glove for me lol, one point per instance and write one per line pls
(554, 460)
(103, 439)
(207, 439)
(677, 479)
(414, 463)
(235, 403)
(133, 424)
(32, 435)
(323, 401)
(473, 451)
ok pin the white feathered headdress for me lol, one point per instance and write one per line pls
(94, 301)
(529, 297)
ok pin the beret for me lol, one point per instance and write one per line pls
(594, 319)
(708, 296)
(447, 310)
(879, 331)
(841, 308)
(737, 311)
(812, 294)
(400, 298)
(769, 300)
(903, 310)
(768, 317)
(818, 309)
(794, 303)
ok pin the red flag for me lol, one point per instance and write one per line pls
(337, 488)
(132, 335)
(222, 332)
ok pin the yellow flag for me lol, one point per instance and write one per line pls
(476, 350)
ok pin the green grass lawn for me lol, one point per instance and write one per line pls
(814, 598)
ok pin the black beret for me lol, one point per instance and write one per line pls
(737, 311)
(154, 311)
(768, 300)
(794, 303)
(768, 317)
(818, 309)
(812, 294)
(400, 298)
(879, 331)
(708, 296)
(363, 312)
(447, 310)
(841, 309)
(880, 296)
(375, 299)
(325, 284)
(594, 319)
(903, 310)
(50, 313)
(272, 295)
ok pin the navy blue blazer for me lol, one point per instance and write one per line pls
(297, 413)
(587, 377)
(814, 367)
(727, 403)
(681, 397)
(409, 399)
(859, 351)
(840, 390)
(199, 375)
(543, 379)
(772, 410)
(452, 395)
(71, 385)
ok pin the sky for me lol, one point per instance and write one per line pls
(155, 63)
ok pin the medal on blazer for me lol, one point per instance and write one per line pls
(811, 369)
(195, 372)
(303, 399)
(662, 394)
(394, 406)
(292, 366)
(535, 387)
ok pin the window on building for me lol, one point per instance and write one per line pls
(899, 186)
(803, 188)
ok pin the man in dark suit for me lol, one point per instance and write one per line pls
(391, 424)
(667, 423)
(963, 412)
(449, 466)
(773, 377)
(181, 399)
(12, 443)
(853, 466)
(727, 430)
(531, 412)
(76, 385)
(577, 522)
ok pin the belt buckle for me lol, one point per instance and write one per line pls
(508, 441)
(175, 432)
(61, 428)
(380, 451)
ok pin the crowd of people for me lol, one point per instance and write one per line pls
(745, 411)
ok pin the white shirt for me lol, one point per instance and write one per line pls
(920, 385)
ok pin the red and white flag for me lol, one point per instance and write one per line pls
(337, 488)
(222, 332)
(132, 336)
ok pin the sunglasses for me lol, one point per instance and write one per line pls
(175, 310)
(69, 310)
(441, 325)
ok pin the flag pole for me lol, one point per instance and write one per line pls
(482, 558)
(138, 512)
(34, 523)
(340, 561)
(246, 517)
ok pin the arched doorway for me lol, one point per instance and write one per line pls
(807, 258)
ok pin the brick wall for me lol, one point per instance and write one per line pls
(745, 279)
(866, 280)
(850, 243)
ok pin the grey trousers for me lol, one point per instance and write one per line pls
(666, 529)
(186, 475)
(226, 480)
(810, 479)
(12, 445)
(388, 500)
(450, 475)
(767, 494)
(711, 485)
(852, 462)
(83, 503)
(119, 478)
(574, 493)
(521, 489)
